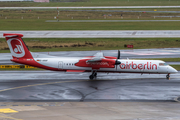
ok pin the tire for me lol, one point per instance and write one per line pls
(91, 77)
(95, 74)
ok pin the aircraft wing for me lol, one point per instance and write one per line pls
(99, 54)
(97, 57)
(98, 61)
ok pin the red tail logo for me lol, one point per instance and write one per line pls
(16, 47)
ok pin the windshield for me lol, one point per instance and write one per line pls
(163, 64)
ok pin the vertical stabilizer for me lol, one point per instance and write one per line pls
(17, 46)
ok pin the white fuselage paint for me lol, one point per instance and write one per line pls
(127, 66)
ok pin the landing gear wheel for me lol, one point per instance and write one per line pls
(91, 77)
(167, 76)
(95, 74)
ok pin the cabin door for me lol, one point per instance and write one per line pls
(60, 65)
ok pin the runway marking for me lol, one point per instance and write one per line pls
(38, 85)
(10, 118)
(7, 110)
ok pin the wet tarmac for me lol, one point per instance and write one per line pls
(90, 111)
(61, 86)
(45, 95)
(52, 86)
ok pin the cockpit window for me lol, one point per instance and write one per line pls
(163, 64)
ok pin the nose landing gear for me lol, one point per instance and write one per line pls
(93, 75)
(168, 76)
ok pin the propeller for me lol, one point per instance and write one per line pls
(118, 62)
(118, 57)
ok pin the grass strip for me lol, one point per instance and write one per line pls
(53, 3)
(89, 14)
(88, 44)
(40, 24)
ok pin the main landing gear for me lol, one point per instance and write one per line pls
(168, 76)
(93, 75)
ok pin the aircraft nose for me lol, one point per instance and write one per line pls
(172, 70)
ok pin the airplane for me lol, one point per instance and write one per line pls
(96, 63)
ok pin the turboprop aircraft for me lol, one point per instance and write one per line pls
(94, 64)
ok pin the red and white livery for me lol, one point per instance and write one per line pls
(94, 64)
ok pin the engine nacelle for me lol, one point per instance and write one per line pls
(104, 63)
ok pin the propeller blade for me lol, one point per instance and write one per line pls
(118, 57)
(117, 62)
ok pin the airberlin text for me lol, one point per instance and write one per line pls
(148, 66)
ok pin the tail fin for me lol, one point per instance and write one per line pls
(17, 46)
